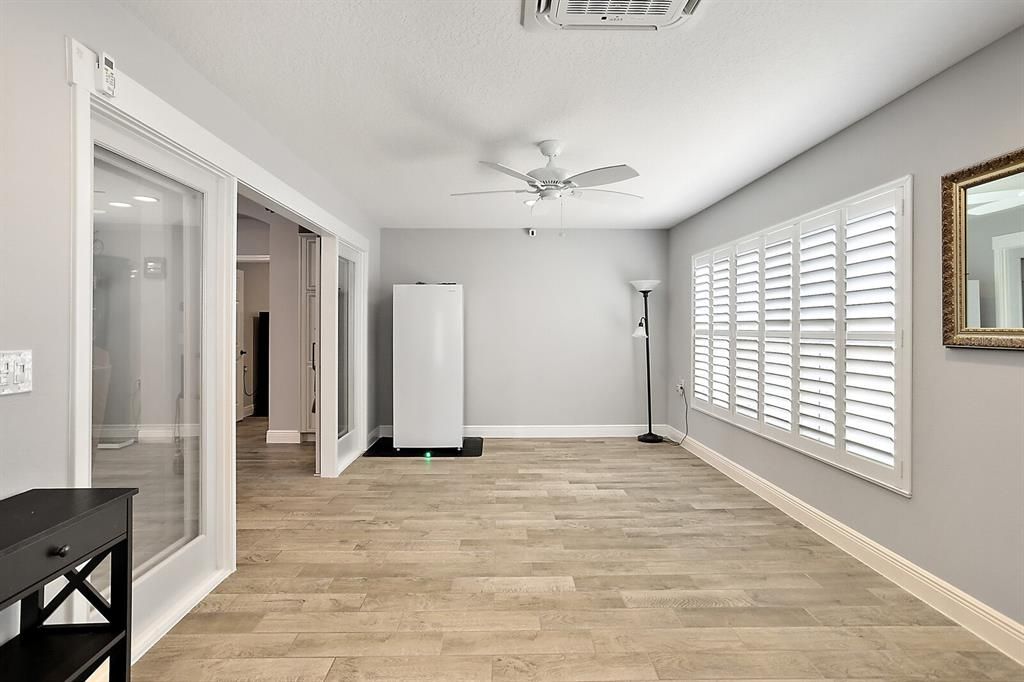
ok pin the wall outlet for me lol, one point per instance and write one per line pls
(681, 387)
(15, 371)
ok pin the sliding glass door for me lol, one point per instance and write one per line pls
(147, 312)
(346, 327)
(153, 364)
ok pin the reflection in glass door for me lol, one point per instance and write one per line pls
(147, 314)
(346, 287)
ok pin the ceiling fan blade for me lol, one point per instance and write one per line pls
(996, 206)
(986, 197)
(602, 176)
(495, 191)
(604, 195)
(510, 171)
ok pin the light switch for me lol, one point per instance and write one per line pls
(15, 371)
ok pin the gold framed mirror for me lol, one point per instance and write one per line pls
(983, 254)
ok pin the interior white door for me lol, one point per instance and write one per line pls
(162, 365)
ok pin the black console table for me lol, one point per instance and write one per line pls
(45, 534)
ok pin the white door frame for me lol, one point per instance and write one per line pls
(336, 454)
(152, 117)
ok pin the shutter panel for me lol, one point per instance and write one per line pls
(748, 329)
(817, 346)
(871, 274)
(777, 399)
(721, 331)
(702, 330)
(870, 306)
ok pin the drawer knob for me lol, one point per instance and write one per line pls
(62, 551)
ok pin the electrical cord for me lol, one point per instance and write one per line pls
(686, 415)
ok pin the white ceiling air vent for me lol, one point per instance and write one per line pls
(621, 15)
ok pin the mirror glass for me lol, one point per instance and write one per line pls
(995, 254)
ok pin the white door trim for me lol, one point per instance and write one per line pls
(152, 117)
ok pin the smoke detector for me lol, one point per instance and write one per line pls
(607, 15)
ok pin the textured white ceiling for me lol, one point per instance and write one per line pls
(396, 101)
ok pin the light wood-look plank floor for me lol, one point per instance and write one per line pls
(586, 560)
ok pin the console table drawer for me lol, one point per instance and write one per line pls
(65, 547)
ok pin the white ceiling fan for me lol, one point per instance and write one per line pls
(551, 183)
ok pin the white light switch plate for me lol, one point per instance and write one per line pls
(15, 371)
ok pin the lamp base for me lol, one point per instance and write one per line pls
(650, 438)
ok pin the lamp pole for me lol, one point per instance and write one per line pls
(644, 287)
(650, 436)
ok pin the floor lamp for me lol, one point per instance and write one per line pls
(643, 331)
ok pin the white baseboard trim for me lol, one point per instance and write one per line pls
(283, 436)
(146, 433)
(998, 629)
(545, 430)
(372, 437)
(142, 641)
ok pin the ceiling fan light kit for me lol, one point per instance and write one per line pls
(552, 183)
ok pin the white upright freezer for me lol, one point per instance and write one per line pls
(428, 366)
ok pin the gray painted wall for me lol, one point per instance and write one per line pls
(36, 178)
(548, 320)
(253, 235)
(283, 398)
(965, 522)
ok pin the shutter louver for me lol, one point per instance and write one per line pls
(721, 333)
(870, 374)
(777, 400)
(748, 330)
(817, 347)
(702, 331)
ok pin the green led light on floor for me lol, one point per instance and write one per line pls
(427, 454)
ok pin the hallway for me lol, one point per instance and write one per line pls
(543, 560)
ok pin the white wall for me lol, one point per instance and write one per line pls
(549, 320)
(964, 522)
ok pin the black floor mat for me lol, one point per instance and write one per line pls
(384, 447)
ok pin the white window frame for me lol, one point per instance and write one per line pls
(898, 477)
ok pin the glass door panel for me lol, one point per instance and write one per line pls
(346, 287)
(147, 309)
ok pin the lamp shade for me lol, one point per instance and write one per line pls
(640, 332)
(645, 284)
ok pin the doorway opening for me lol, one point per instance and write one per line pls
(277, 325)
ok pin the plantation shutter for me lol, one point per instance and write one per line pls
(801, 334)
(702, 329)
(870, 306)
(748, 328)
(777, 398)
(817, 330)
(721, 330)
